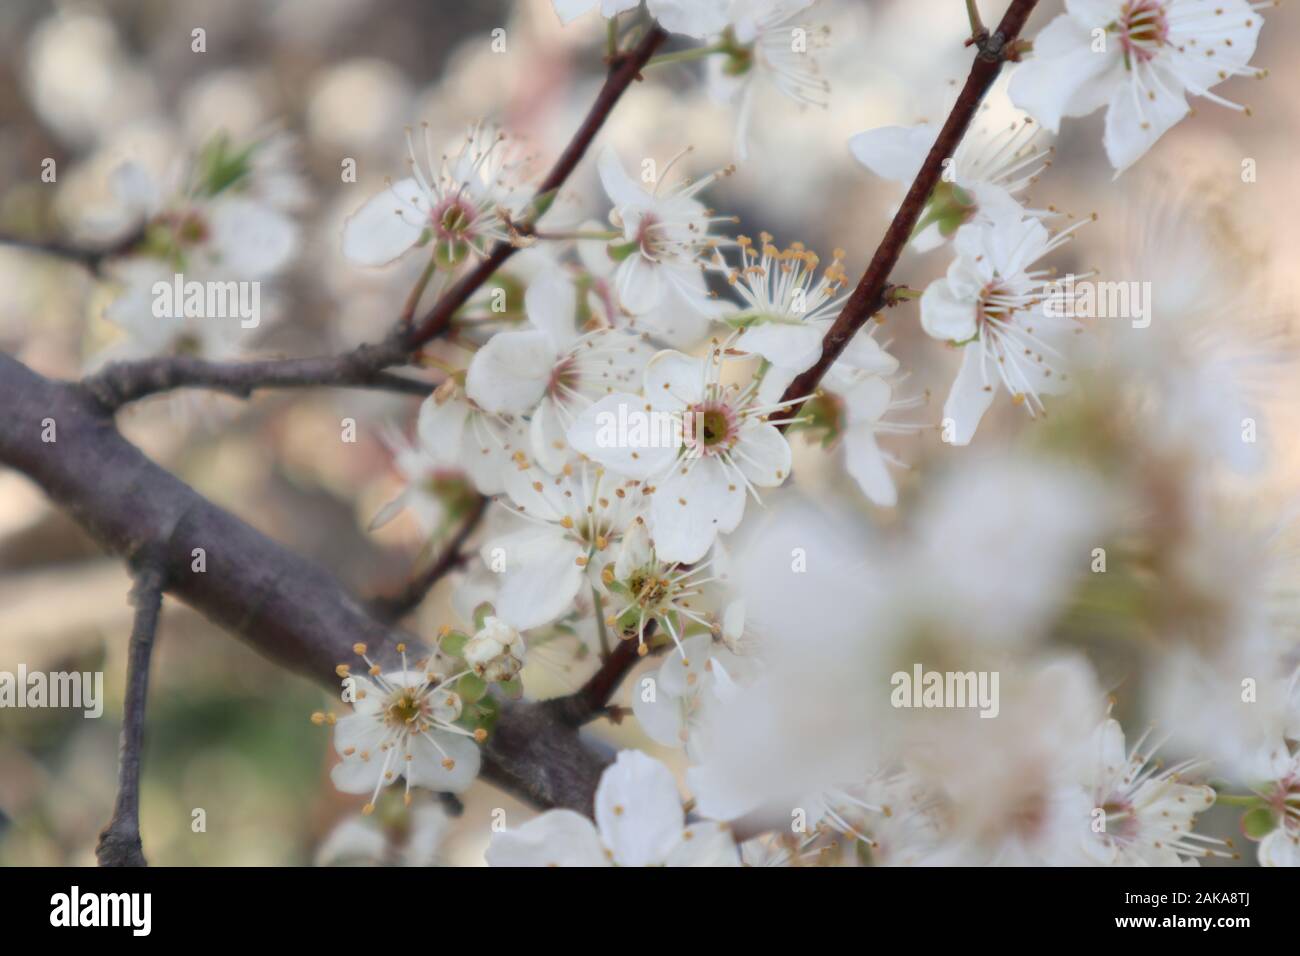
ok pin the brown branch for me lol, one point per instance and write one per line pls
(871, 293)
(124, 382)
(592, 699)
(119, 843)
(394, 607)
(91, 258)
(623, 71)
(289, 609)
(121, 383)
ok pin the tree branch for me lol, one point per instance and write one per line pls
(119, 843)
(121, 383)
(289, 609)
(393, 608)
(871, 293)
(591, 700)
(89, 257)
(124, 382)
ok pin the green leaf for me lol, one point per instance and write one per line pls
(481, 614)
(221, 165)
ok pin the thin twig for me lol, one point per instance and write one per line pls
(623, 71)
(119, 843)
(89, 257)
(394, 607)
(870, 295)
(121, 383)
(592, 699)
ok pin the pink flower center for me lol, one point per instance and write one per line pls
(564, 379)
(452, 219)
(1143, 27)
(712, 427)
(650, 243)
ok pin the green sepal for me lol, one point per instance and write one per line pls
(471, 688)
(1258, 823)
(453, 643)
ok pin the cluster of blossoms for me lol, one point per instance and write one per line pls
(222, 215)
(628, 393)
(634, 398)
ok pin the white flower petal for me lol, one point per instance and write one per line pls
(674, 380)
(250, 240)
(705, 844)
(634, 551)
(638, 810)
(556, 838)
(388, 224)
(866, 354)
(441, 426)
(619, 432)
(551, 303)
(971, 395)
(689, 509)
(546, 437)
(621, 189)
(946, 314)
(894, 152)
(355, 775)
(1280, 848)
(426, 769)
(781, 343)
(540, 581)
(660, 717)
(1062, 67)
(511, 372)
(762, 453)
(639, 284)
(359, 732)
(692, 18)
(1140, 115)
(867, 466)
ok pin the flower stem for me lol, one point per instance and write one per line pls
(600, 623)
(1238, 799)
(413, 300)
(870, 294)
(683, 56)
(580, 234)
(976, 24)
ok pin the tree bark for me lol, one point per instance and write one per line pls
(285, 606)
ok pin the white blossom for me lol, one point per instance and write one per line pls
(1139, 59)
(639, 822)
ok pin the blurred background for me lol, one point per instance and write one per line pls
(93, 84)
